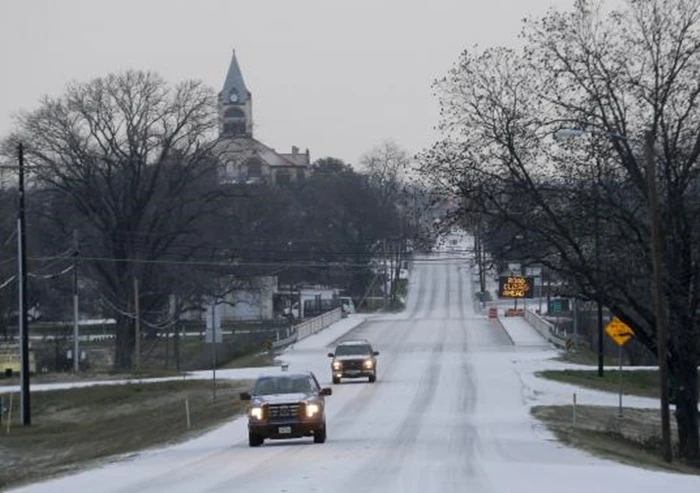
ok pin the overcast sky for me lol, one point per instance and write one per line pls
(336, 76)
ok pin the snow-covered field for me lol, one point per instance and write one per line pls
(449, 413)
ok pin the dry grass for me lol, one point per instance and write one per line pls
(633, 439)
(643, 383)
(252, 360)
(75, 427)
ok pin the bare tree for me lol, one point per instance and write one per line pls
(130, 159)
(581, 207)
(386, 166)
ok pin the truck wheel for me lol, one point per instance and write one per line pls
(320, 434)
(255, 440)
(336, 380)
(372, 378)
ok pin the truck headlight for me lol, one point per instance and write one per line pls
(312, 410)
(337, 365)
(256, 412)
(368, 363)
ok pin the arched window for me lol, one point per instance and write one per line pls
(233, 113)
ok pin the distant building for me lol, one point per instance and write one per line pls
(246, 160)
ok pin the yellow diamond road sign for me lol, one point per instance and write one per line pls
(619, 331)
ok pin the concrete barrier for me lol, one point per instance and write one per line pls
(546, 329)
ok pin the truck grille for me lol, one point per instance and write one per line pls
(285, 411)
(353, 364)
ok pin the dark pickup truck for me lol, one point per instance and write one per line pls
(286, 406)
(354, 359)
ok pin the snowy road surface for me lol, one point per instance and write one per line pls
(449, 413)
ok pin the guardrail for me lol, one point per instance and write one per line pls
(284, 338)
(309, 327)
(559, 338)
(306, 328)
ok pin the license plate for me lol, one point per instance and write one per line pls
(284, 430)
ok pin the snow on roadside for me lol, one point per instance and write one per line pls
(542, 391)
(522, 333)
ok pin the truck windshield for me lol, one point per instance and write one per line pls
(350, 349)
(282, 385)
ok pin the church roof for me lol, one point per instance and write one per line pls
(245, 146)
(234, 80)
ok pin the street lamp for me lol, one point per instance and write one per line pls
(657, 285)
(22, 304)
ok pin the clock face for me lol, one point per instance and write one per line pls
(233, 97)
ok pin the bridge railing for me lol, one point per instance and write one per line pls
(547, 329)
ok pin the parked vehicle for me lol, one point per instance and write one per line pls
(354, 359)
(347, 304)
(286, 406)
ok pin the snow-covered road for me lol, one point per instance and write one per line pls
(449, 413)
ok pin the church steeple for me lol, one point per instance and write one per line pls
(235, 103)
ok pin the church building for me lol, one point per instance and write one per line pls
(245, 159)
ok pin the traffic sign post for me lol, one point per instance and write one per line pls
(621, 333)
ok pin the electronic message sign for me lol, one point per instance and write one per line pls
(516, 287)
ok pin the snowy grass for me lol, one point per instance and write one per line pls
(73, 428)
(633, 439)
(90, 376)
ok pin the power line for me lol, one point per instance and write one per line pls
(51, 276)
(275, 263)
(7, 282)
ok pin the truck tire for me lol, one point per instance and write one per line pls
(336, 380)
(320, 434)
(372, 378)
(255, 440)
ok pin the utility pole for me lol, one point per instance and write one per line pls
(386, 294)
(176, 345)
(172, 311)
(213, 349)
(392, 270)
(76, 322)
(601, 347)
(137, 326)
(657, 294)
(480, 258)
(22, 277)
